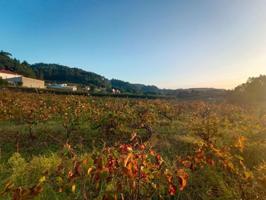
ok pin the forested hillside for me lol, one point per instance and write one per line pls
(254, 90)
(134, 88)
(13, 64)
(60, 73)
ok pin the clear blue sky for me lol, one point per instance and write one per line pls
(168, 43)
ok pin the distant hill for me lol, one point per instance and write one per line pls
(63, 74)
(56, 73)
(196, 93)
(254, 90)
(134, 88)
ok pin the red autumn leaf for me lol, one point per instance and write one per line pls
(172, 189)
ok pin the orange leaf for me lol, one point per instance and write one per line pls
(240, 143)
(127, 159)
(182, 179)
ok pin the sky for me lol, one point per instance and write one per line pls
(167, 43)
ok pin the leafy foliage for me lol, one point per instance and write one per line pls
(69, 147)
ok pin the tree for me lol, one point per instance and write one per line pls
(254, 90)
(6, 54)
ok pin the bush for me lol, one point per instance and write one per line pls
(3, 82)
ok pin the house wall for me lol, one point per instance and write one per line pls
(32, 83)
(27, 82)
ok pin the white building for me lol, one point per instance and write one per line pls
(72, 88)
(6, 74)
(87, 88)
(63, 86)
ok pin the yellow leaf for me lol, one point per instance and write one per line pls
(42, 179)
(89, 170)
(248, 175)
(73, 188)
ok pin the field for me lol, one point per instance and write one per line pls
(78, 147)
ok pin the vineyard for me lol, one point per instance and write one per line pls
(78, 147)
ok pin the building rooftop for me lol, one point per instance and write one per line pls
(7, 72)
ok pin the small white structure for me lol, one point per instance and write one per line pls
(5, 74)
(63, 86)
(115, 91)
(57, 86)
(87, 88)
(73, 88)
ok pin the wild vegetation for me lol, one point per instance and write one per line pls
(3, 82)
(74, 147)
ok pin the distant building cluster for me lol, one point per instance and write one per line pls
(19, 80)
(63, 86)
